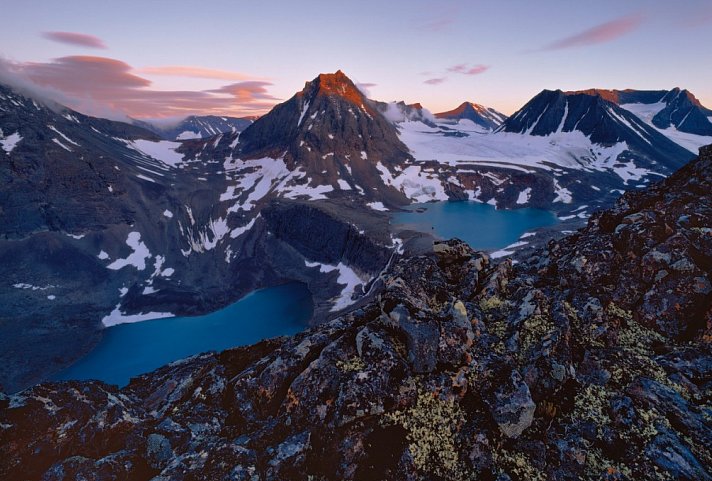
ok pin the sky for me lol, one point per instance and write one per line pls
(167, 59)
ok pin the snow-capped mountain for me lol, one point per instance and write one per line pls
(104, 223)
(157, 228)
(198, 127)
(601, 121)
(676, 108)
(675, 113)
(559, 151)
(331, 138)
(486, 117)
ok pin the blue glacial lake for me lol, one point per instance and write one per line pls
(127, 350)
(480, 225)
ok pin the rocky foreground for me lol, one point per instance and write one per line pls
(590, 361)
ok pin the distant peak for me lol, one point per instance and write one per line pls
(605, 94)
(466, 106)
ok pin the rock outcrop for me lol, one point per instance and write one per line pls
(591, 360)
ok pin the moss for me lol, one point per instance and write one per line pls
(591, 404)
(517, 463)
(491, 303)
(431, 427)
(497, 327)
(587, 334)
(632, 336)
(597, 464)
(533, 330)
(355, 364)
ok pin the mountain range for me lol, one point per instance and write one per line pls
(104, 222)
(196, 126)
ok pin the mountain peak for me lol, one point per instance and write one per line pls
(334, 84)
(479, 114)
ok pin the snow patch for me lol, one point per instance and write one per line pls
(347, 277)
(188, 135)
(377, 206)
(10, 142)
(524, 196)
(118, 317)
(137, 258)
(163, 150)
(507, 251)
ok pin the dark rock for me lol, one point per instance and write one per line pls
(511, 405)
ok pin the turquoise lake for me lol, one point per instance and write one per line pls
(480, 225)
(128, 350)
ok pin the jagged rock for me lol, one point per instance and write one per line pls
(511, 405)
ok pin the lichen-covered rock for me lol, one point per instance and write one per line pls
(591, 361)
(511, 405)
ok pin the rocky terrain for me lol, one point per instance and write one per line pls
(591, 360)
(103, 222)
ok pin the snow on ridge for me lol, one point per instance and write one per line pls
(58, 142)
(305, 107)
(52, 127)
(137, 258)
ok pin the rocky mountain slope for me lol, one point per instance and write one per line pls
(102, 223)
(677, 108)
(591, 360)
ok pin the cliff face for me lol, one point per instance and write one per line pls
(591, 360)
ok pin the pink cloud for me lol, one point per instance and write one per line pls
(109, 87)
(603, 33)
(195, 72)
(464, 69)
(246, 91)
(73, 38)
(435, 81)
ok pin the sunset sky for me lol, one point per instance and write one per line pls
(167, 59)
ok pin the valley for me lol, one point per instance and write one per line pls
(307, 193)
